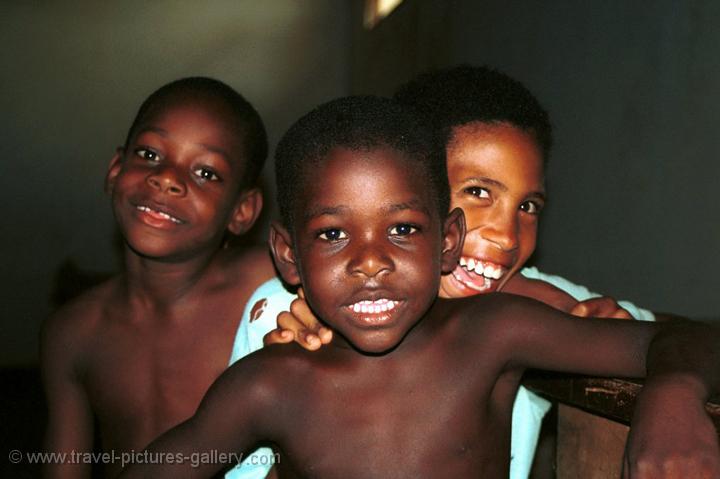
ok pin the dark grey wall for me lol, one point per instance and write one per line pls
(633, 89)
(73, 76)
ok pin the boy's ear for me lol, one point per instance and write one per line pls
(283, 254)
(247, 209)
(453, 239)
(114, 169)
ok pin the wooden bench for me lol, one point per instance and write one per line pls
(593, 419)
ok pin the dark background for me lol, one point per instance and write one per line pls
(633, 90)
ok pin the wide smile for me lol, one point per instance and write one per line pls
(479, 275)
(373, 312)
(156, 217)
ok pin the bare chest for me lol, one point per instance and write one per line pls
(435, 420)
(143, 380)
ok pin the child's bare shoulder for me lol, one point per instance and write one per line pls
(267, 377)
(68, 331)
(245, 266)
(85, 310)
(499, 315)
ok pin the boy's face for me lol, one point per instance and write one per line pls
(369, 247)
(496, 176)
(175, 186)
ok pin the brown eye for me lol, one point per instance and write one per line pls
(332, 235)
(477, 191)
(206, 174)
(147, 154)
(403, 230)
(531, 207)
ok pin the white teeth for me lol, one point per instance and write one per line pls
(488, 270)
(161, 213)
(374, 307)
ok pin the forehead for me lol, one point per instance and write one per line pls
(366, 179)
(498, 151)
(202, 120)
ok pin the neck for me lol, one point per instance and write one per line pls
(160, 284)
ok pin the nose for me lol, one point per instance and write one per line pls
(502, 230)
(167, 180)
(370, 261)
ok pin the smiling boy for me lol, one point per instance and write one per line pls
(414, 385)
(498, 139)
(136, 354)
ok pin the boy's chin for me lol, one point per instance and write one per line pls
(373, 345)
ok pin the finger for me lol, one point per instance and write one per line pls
(306, 338)
(286, 320)
(278, 336)
(621, 313)
(301, 293)
(309, 341)
(580, 309)
(325, 335)
(300, 309)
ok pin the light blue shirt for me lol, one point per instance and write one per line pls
(249, 338)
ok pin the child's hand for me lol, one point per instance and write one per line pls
(672, 436)
(603, 307)
(301, 325)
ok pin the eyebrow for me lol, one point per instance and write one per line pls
(486, 180)
(500, 185)
(324, 210)
(414, 204)
(164, 133)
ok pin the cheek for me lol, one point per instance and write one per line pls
(475, 218)
(527, 238)
(216, 208)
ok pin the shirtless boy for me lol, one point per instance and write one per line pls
(136, 354)
(498, 139)
(414, 385)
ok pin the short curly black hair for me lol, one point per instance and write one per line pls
(358, 123)
(463, 94)
(252, 130)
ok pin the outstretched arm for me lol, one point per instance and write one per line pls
(681, 363)
(300, 324)
(672, 435)
(223, 427)
(548, 289)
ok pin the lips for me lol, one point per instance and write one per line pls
(373, 312)
(157, 216)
